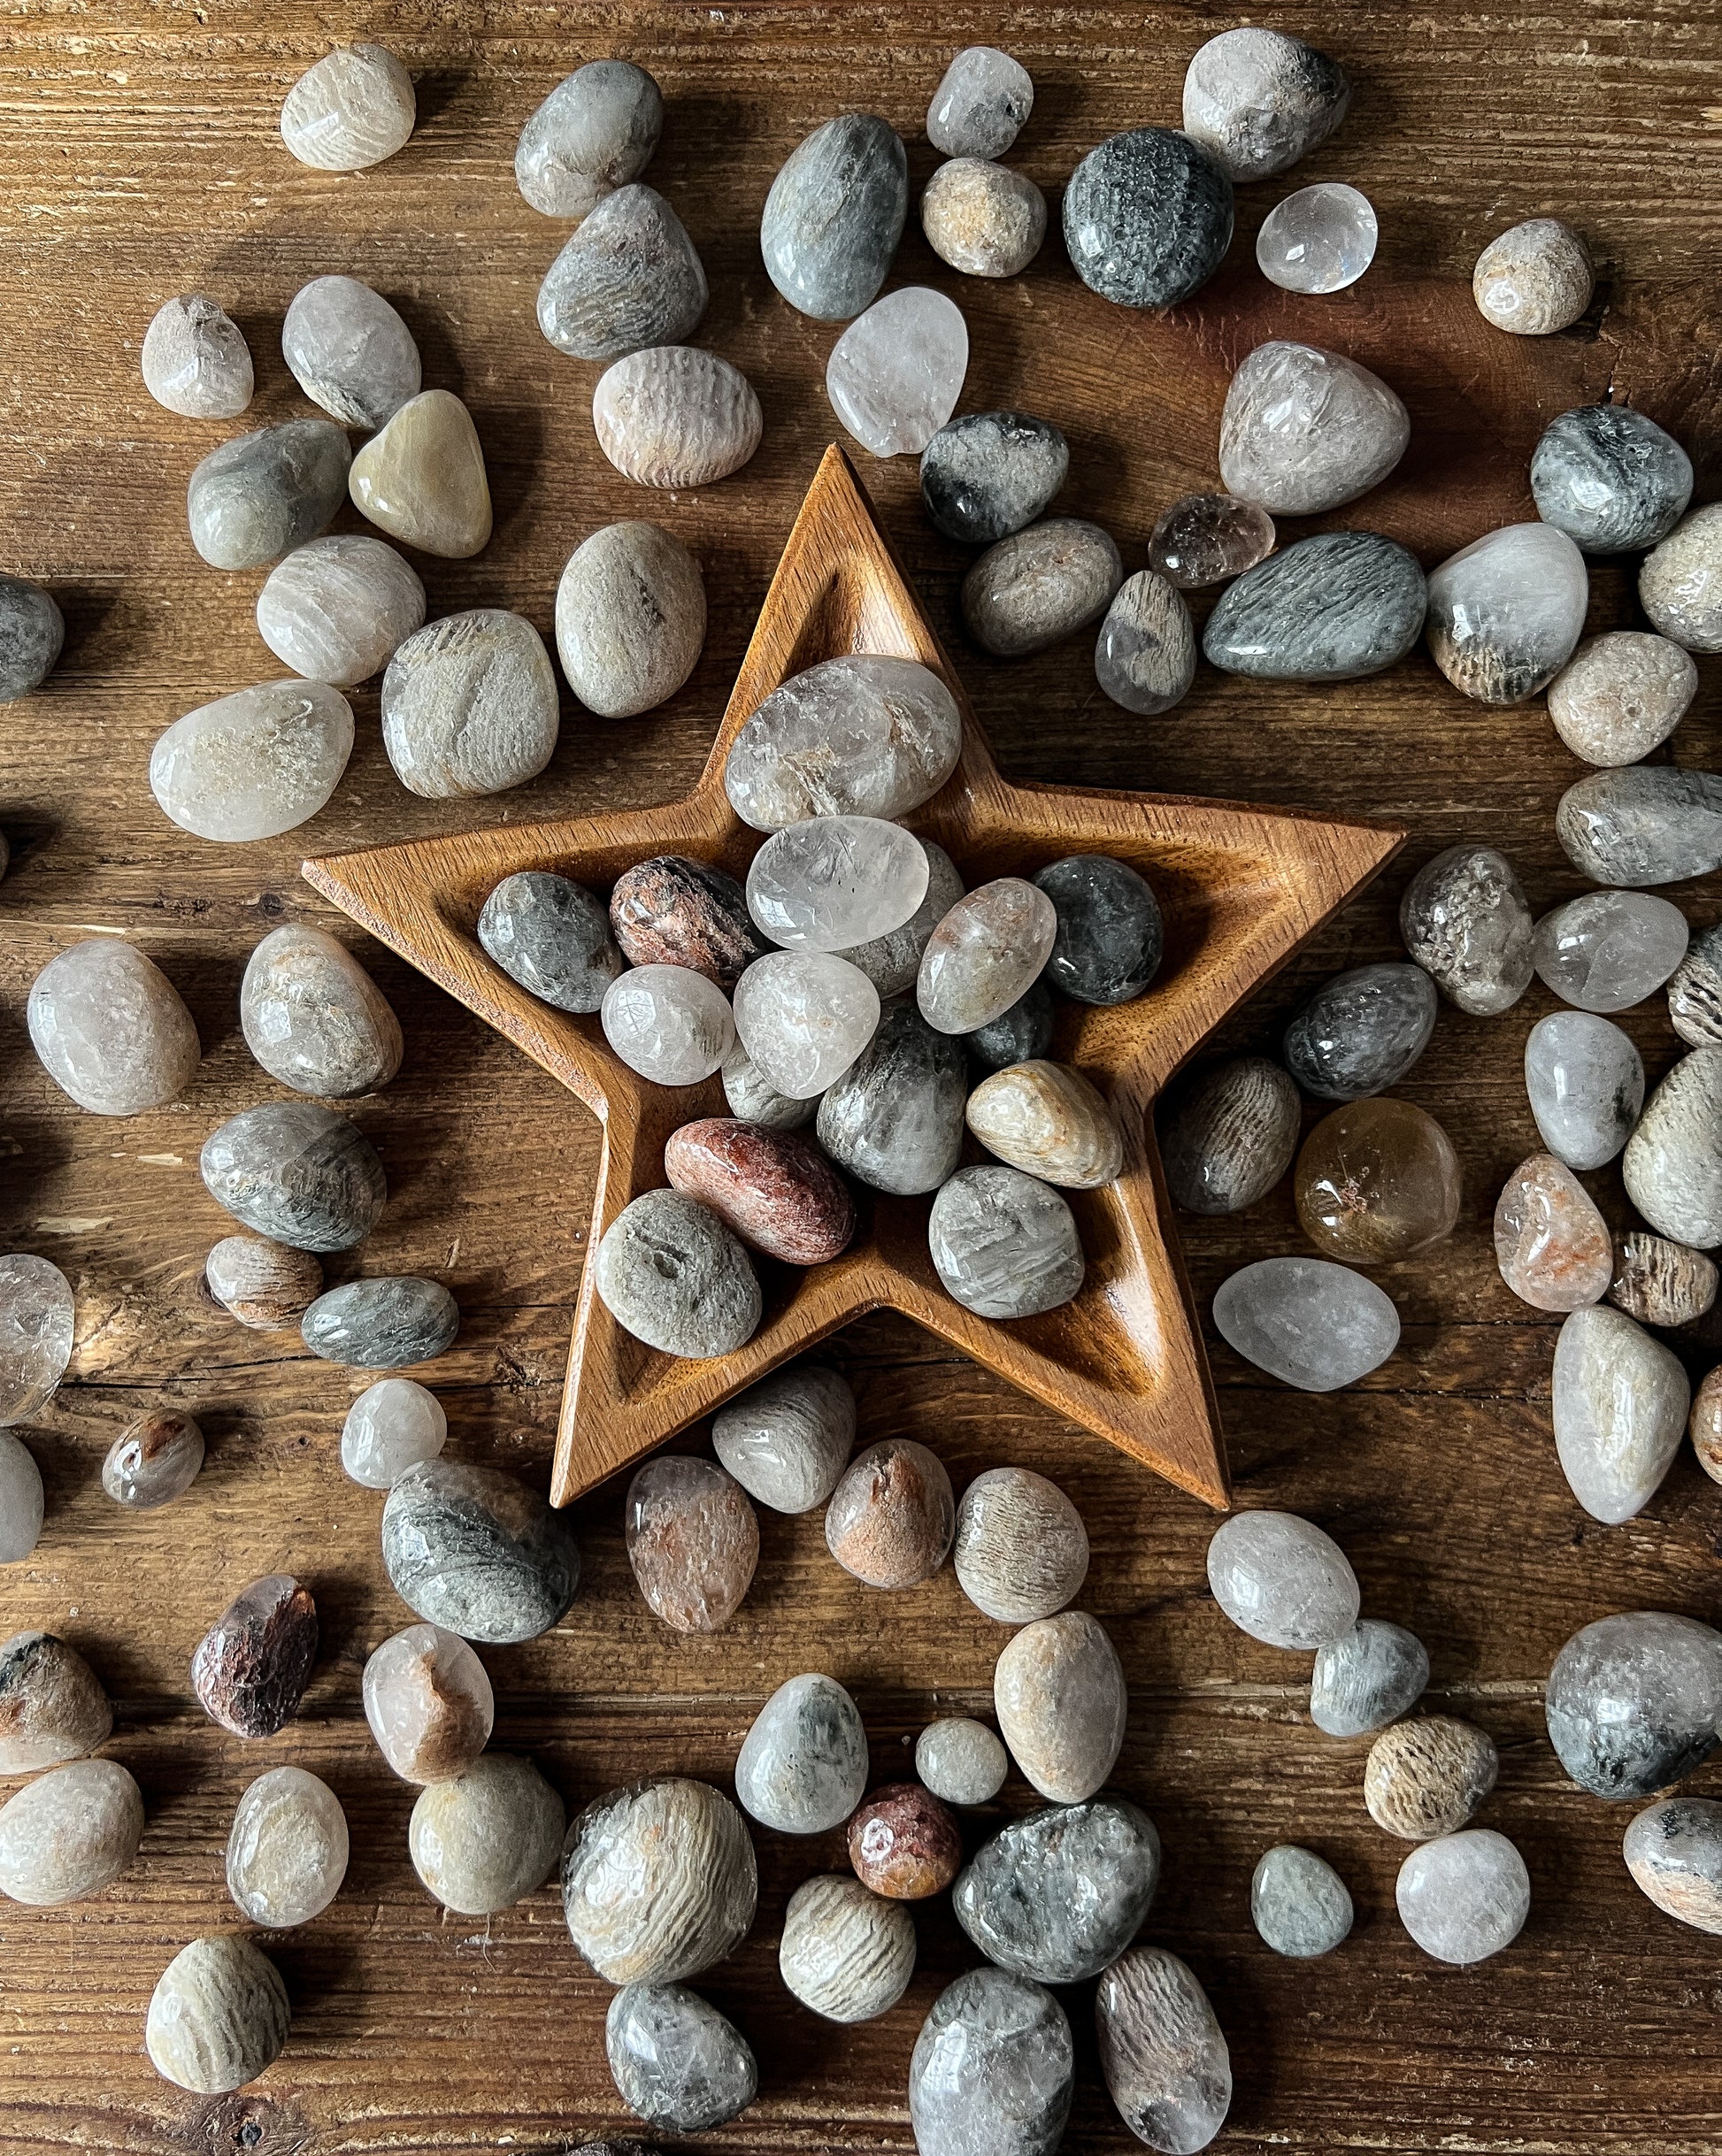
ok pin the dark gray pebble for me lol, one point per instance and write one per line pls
(834, 216)
(1610, 479)
(32, 632)
(381, 1324)
(894, 1118)
(991, 473)
(1633, 1701)
(1110, 938)
(1646, 824)
(676, 2060)
(478, 1553)
(296, 1172)
(553, 935)
(1018, 1036)
(261, 494)
(1059, 1895)
(1361, 1031)
(1147, 218)
(1333, 608)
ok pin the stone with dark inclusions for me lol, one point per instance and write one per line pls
(1648, 824)
(658, 1881)
(595, 132)
(429, 1703)
(670, 911)
(1162, 2054)
(261, 494)
(52, 1706)
(1040, 584)
(1060, 1894)
(1674, 1852)
(1334, 608)
(1004, 1244)
(992, 2069)
(1586, 1083)
(553, 935)
(895, 1117)
(693, 1541)
(1658, 1282)
(983, 99)
(476, 1552)
(1109, 936)
(834, 215)
(1368, 1678)
(1465, 921)
(1633, 1701)
(676, 2062)
(1016, 1035)
(803, 1765)
(752, 1096)
(252, 1666)
(154, 1460)
(1361, 1031)
(903, 1843)
(1299, 1903)
(1506, 612)
(1148, 216)
(381, 1324)
(1551, 1241)
(991, 473)
(892, 1517)
(777, 1191)
(297, 1173)
(1204, 539)
(1610, 479)
(349, 351)
(32, 633)
(630, 277)
(1229, 1134)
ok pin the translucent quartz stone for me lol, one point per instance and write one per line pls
(1610, 477)
(1375, 1181)
(218, 2016)
(353, 108)
(847, 1952)
(1298, 1903)
(422, 478)
(1680, 586)
(984, 955)
(834, 881)
(1059, 1694)
(155, 1459)
(1333, 608)
(470, 705)
(985, 220)
(668, 1023)
(595, 132)
(693, 1541)
(1229, 1134)
(1607, 950)
(1650, 824)
(1633, 1702)
(896, 374)
(1465, 1896)
(1058, 1894)
(1047, 1120)
(895, 1117)
(671, 1273)
(803, 1765)
(630, 618)
(676, 2062)
(313, 1016)
(1620, 1404)
(32, 636)
(69, 1833)
(674, 415)
(1313, 1324)
(490, 1838)
(1147, 218)
(803, 1016)
(1145, 653)
(335, 609)
(1320, 239)
(195, 360)
(1203, 538)
(982, 102)
(261, 494)
(391, 1427)
(1260, 100)
(552, 936)
(1426, 1776)
(287, 1852)
(1283, 1581)
(1367, 1678)
(349, 351)
(1361, 1031)
(1021, 1551)
(256, 763)
(1464, 920)
(1506, 612)
(891, 962)
(22, 1501)
(1534, 279)
(111, 1028)
(834, 215)
(658, 1881)
(1305, 430)
(429, 1703)
(1551, 1242)
(992, 2069)
(858, 736)
(787, 1439)
(1672, 1164)
(1621, 695)
(629, 277)
(962, 1762)
(1673, 1850)
(1040, 585)
(1004, 1244)
(990, 473)
(296, 1172)
(891, 1518)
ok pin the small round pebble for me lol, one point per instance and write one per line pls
(985, 220)
(804, 1016)
(1145, 653)
(469, 705)
(676, 2062)
(981, 104)
(1004, 1244)
(1059, 1694)
(1534, 280)
(218, 2016)
(1662, 1283)
(1610, 479)
(314, 1018)
(1621, 695)
(676, 416)
(1463, 1897)
(1059, 1894)
(475, 1551)
(52, 1706)
(1299, 1903)
(1361, 1031)
(352, 110)
(1229, 1135)
(195, 360)
(1322, 239)
(892, 1517)
(381, 1324)
(552, 936)
(1305, 430)
(658, 1881)
(1260, 100)
(595, 132)
(1148, 216)
(961, 1760)
(265, 1286)
(429, 1703)
(251, 1669)
(1205, 539)
(1283, 1581)
(846, 1952)
(1426, 1776)
(32, 635)
(1680, 586)
(1368, 1678)
(630, 618)
(69, 1833)
(486, 1840)
(671, 1273)
(991, 473)
(693, 1541)
(349, 351)
(391, 1426)
(111, 1029)
(336, 609)
(903, 1843)
(287, 1852)
(1673, 1850)
(1040, 584)
(787, 1439)
(803, 1765)
(1021, 1551)
(669, 1024)
(155, 1459)
(1109, 937)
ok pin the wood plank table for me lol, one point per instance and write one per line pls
(139, 158)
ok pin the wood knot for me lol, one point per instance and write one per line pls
(243, 2124)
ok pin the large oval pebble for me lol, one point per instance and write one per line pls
(69, 1833)
(863, 735)
(630, 618)
(846, 1952)
(381, 1324)
(1004, 1244)
(256, 763)
(658, 1881)
(1633, 1702)
(1648, 823)
(675, 416)
(1607, 950)
(1059, 1693)
(111, 1029)
(476, 1552)
(1586, 1083)
(1282, 1580)
(595, 132)
(469, 705)
(1672, 1164)
(1047, 1120)
(672, 911)
(1039, 586)
(313, 1016)
(251, 1669)
(1620, 1403)
(834, 215)
(992, 2069)
(1021, 1551)
(671, 1273)
(1148, 216)
(1059, 1894)
(349, 351)
(335, 609)
(1361, 1031)
(1334, 608)
(985, 953)
(1163, 2053)
(553, 935)
(1312, 1323)
(777, 1191)
(296, 1172)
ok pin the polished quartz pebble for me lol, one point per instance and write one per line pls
(834, 215)
(1607, 950)
(992, 2070)
(1695, 992)
(670, 1025)
(1673, 1850)
(352, 110)
(1361, 1031)
(1148, 216)
(1047, 1120)
(314, 1018)
(1610, 477)
(1507, 612)
(892, 1517)
(961, 1760)
(1298, 1903)
(1204, 539)
(1620, 695)
(658, 1881)
(981, 104)
(1040, 585)
(261, 494)
(1109, 937)
(1283, 1581)
(1680, 586)
(676, 2062)
(1427, 1776)
(1322, 239)
(111, 1029)
(776, 1191)
(475, 1551)
(855, 736)
(803, 1765)
(787, 1439)
(895, 1117)
(670, 911)
(422, 478)
(896, 374)
(335, 609)
(287, 1851)
(629, 277)
(32, 636)
(1464, 920)
(1368, 1678)
(891, 962)
(1260, 100)
(428, 1703)
(985, 953)
(1585, 1084)
(693, 1541)
(21, 1503)
(1672, 1163)
(1021, 1551)
(218, 2016)
(551, 935)
(266, 1286)
(251, 1669)
(1057, 1895)
(1534, 279)
(1229, 1133)
(256, 763)
(903, 1843)
(1633, 1702)
(630, 618)
(675, 416)
(846, 1952)
(1377, 1180)
(195, 360)
(1311, 1323)
(381, 1324)
(1464, 1896)
(1661, 1283)
(1551, 1242)
(155, 1459)
(69, 1833)
(803, 1016)
(1059, 1694)
(1648, 823)
(1004, 1244)
(489, 1838)
(349, 351)
(36, 1315)
(1145, 653)
(391, 1426)
(1334, 608)
(991, 473)
(595, 132)
(1305, 430)
(470, 705)
(52, 1707)
(297, 1173)
(1162, 2052)
(833, 881)
(751, 1095)
(669, 1272)
(1016, 1035)
(985, 220)
(1620, 1405)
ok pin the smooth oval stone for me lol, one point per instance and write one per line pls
(1333, 608)
(834, 215)
(847, 1952)
(630, 618)
(335, 609)
(1060, 1894)
(672, 1273)
(1585, 1084)
(1620, 1403)
(1680, 586)
(69, 1833)
(111, 1029)
(1162, 2053)
(469, 705)
(985, 953)
(297, 1173)
(349, 351)
(1310, 1324)
(1047, 1120)
(422, 478)
(834, 881)
(1260, 100)
(1016, 1035)
(1507, 612)
(381, 1324)
(1205, 539)
(488, 1839)
(1551, 1242)
(1145, 653)
(891, 962)
(1674, 1852)
(983, 99)
(903, 1843)
(894, 1118)
(804, 1016)
(428, 1703)
(1109, 935)
(1361, 1031)
(676, 2062)
(21, 1500)
(693, 1541)
(675, 416)
(261, 494)
(264, 1284)
(1620, 695)
(155, 1459)
(776, 1191)
(1427, 1777)
(1059, 1694)
(1305, 430)
(658, 1881)
(314, 1018)
(1695, 992)
(1004, 1244)
(1230, 1134)
(990, 473)
(1464, 920)
(669, 1024)
(1633, 1702)
(1376, 1181)
(1298, 1903)
(670, 911)
(1607, 950)
(251, 1669)
(553, 937)
(1283, 1581)
(896, 374)
(32, 635)
(788, 1438)
(1672, 1164)
(218, 2016)
(1040, 585)
(195, 360)
(391, 1427)
(36, 1315)
(352, 110)
(992, 2069)
(1651, 824)
(961, 1760)
(892, 1517)
(803, 1765)
(287, 1852)
(1148, 216)
(1610, 477)
(1463, 1897)
(629, 277)
(595, 132)
(1021, 1551)
(52, 1707)
(1662, 1283)
(985, 220)
(256, 763)
(1320, 239)
(1534, 279)
(1368, 1678)
(476, 1552)
(751, 1095)
(855, 736)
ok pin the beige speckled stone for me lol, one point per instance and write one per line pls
(422, 478)
(676, 416)
(1680, 586)
(1534, 279)
(1427, 1777)
(630, 618)
(1047, 1120)
(218, 2017)
(1620, 695)
(485, 1840)
(985, 220)
(1059, 1693)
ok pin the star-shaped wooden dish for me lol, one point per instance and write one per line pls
(1241, 887)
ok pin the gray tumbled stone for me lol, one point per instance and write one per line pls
(349, 351)
(895, 1117)
(678, 2063)
(381, 1324)
(834, 215)
(1610, 479)
(478, 1553)
(1059, 1895)
(1647, 823)
(630, 277)
(1163, 2055)
(32, 635)
(1672, 1164)
(752, 1098)
(1148, 216)
(1005, 1245)
(1695, 993)
(983, 98)
(1145, 653)
(1110, 938)
(1333, 608)
(1465, 921)
(297, 1173)
(671, 1273)
(961, 1761)
(1018, 1036)
(630, 618)
(991, 473)
(261, 494)
(1228, 1134)
(1040, 585)
(1258, 100)
(595, 132)
(787, 1439)
(803, 1765)
(1367, 1678)
(1633, 1701)
(553, 935)
(1299, 1903)
(992, 2069)
(1361, 1031)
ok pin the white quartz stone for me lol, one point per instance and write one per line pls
(313, 1016)
(111, 1028)
(1280, 1579)
(20, 1498)
(803, 1016)
(1586, 1083)
(834, 881)
(1465, 1896)
(896, 374)
(1620, 1402)
(1315, 1324)
(983, 98)
(855, 736)
(349, 351)
(670, 1025)
(391, 1427)
(195, 360)
(1506, 612)
(256, 763)
(36, 1313)
(1322, 239)
(429, 1703)
(1305, 430)
(961, 1761)
(287, 1852)
(334, 609)
(353, 108)
(1607, 950)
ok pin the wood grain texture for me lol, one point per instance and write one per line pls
(139, 158)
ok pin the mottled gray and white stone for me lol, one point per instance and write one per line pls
(1361, 1031)
(676, 416)
(1148, 216)
(1145, 653)
(1585, 1084)
(1464, 1896)
(1694, 992)
(992, 2069)
(961, 1761)
(1004, 1244)
(21, 1499)
(1229, 1134)
(1621, 695)
(1021, 1551)
(1319, 239)
(1333, 608)
(891, 962)
(1464, 920)
(314, 1018)
(629, 277)
(1298, 1903)
(981, 104)
(834, 215)
(803, 1765)
(595, 132)
(111, 1029)
(69, 1833)
(985, 955)
(553, 935)
(253, 764)
(218, 2016)
(1368, 1678)
(261, 494)
(1283, 1581)
(352, 110)
(1633, 1702)
(36, 1315)
(1040, 585)
(336, 608)
(1305, 430)
(847, 1952)
(658, 1881)
(476, 1552)
(286, 1849)
(1672, 1164)
(1606, 950)
(393, 1426)
(669, 1272)
(469, 705)
(1673, 1850)
(1308, 1321)
(195, 360)
(985, 220)
(349, 351)
(487, 1838)
(1059, 1694)
(1162, 2052)
(32, 635)
(1059, 1894)
(630, 618)
(1680, 586)
(787, 1439)
(381, 1324)
(1506, 612)
(1260, 100)
(676, 2062)
(668, 1023)
(752, 1098)
(1610, 479)
(855, 736)
(1016, 1035)
(429, 1702)
(893, 1119)
(1648, 823)
(296, 1172)
(52, 1707)
(1534, 279)
(991, 473)
(896, 374)
(833, 881)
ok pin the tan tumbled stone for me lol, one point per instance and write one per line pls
(422, 478)
(1427, 1777)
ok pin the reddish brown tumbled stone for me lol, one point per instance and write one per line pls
(670, 911)
(773, 1187)
(252, 1665)
(891, 1519)
(903, 1843)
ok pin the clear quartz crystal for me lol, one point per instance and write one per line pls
(855, 736)
(983, 98)
(256, 763)
(1465, 1896)
(391, 1427)
(834, 881)
(1607, 950)
(1315, 1324)
(896, 374)
(1280, 1579)
(668, 1023)
(1205, 539)
(1305, 430)
(803, 1016)
(1551, 1242)
(314, 1018)
(111, 1028)
(1322, 239)
(1506, 611)
(1586, 1083)
(429, 1703)
(287, 1854)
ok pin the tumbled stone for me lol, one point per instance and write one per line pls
(1695, 992)
(1334, 608)
(693, 1541)
(391, 1426)
(1586, 1085)
(1260, 100)
(1672, 1164)
(552, 936)
(675, 416)
(469, 705)
(855, 736)
(1368, 1678)
(488, 1839)
(788, 1438)
(1650, 824)
(1305, 430)
(676, 2062)
(1021, 1551)
(1148, 216)
(195, 359)
(630, 618)
(1464, 1896)
(251, 1669)
(985, 953)
(261, 494)
(422, 478)
(1705, 1426)
(21, 1499)
(1229, 1135)
(1109, 935)
(1361, 1031)
(266, 1286)
(155, 1459)
(1680, 586)
(1377, 1180)
(1145, 653)
(1016, 1035)
(1047, 1120)
(1162, 2052)
(1534, 279)
(595, 132)
(776, 1191)
(896, 374)
(1299, 1904)
(1040, 585)
(1633, 1701)
(670, 1025)
(1660, 1282)
(1060, 1894)
(891, 960)
(476, 1552)
(961, 1760)
(670, 911)
(893, 1119)
(1004, 1244)
(834, 881)
(903, 1843)
(256, 763)
(1620, 695)
(1204, 539)
(1506, 612)
(669, 1272)
(1427, 1777)
(287, 1851)
(629, 277)
(428, 1703)
(1059, 1693)
(1551, 1242)
(1310, 1322)
(352, 110)
(803, 1765)
(32, 635)
(846, 1952)
(381, 1324)
(1610, 477)
(349, 351)
(982, 102)
(314, 1018)
(991, 473)
(804, 1016)
(69, 1833)
(111, 1029)
(1283, 1581)
(218, 2016)
(335, 609)
(834, 215)
(751, 1095)
(1320, 239)
(891, 1518)
(1674, 1852)
(985, 220)
(992, 2070)
(297, 1173)
(1620, 1402)
(52, 1706)
(1464, 920)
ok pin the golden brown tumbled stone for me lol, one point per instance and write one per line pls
(1660, 1282)
(891, 1519)
(1427, 1777)
(422, 478)
(1047, 1120)
(264, 1284)
(1376, 1180)
(1706, 1425)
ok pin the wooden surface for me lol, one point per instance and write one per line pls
(138, 157)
